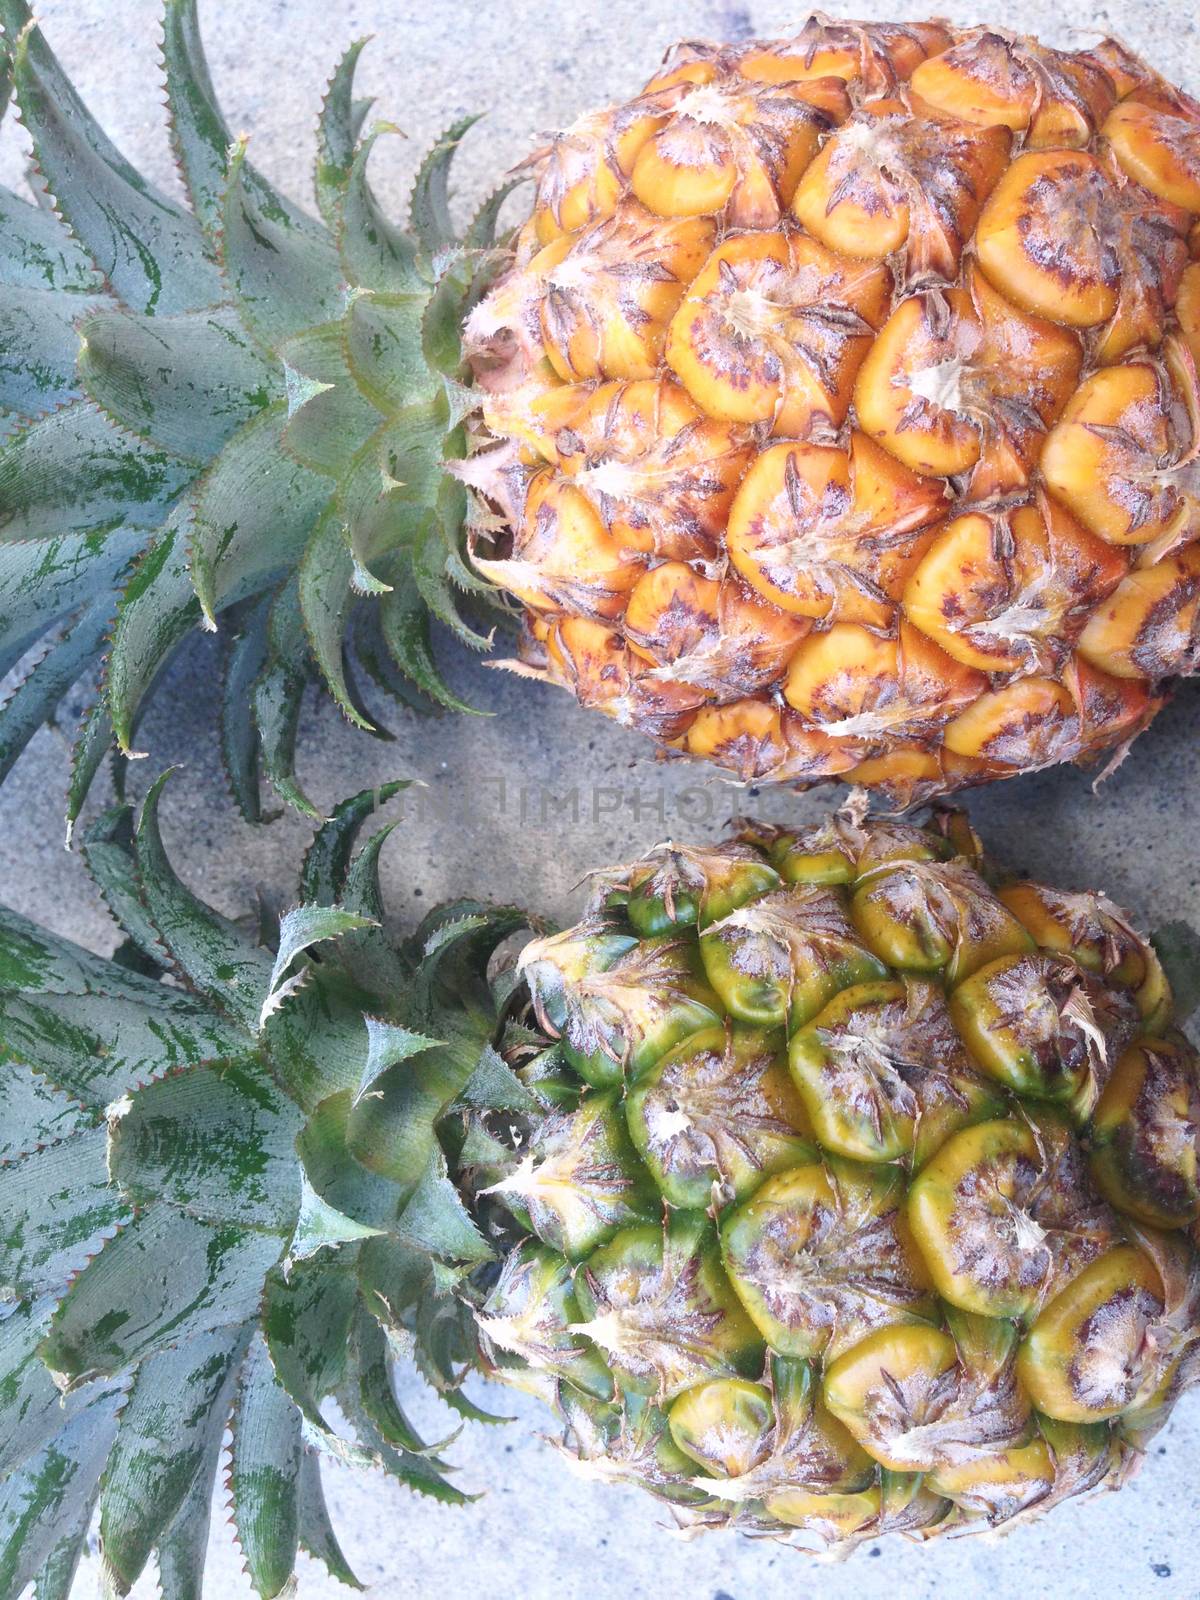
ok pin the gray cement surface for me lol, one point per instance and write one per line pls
(520, 803)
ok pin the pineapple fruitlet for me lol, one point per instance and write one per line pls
(824, 1182)
(844, 390)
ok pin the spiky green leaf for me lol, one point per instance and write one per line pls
(32, 704)
(347, 1188)
(37, 252)
(34, 961)
(100, 1047)
(161, 1445)
(165, 1278)
(38, 343)
(323, 878)
(337, 131)
(283, 277)
(54, 1207)
(278, 694)
(254, 511)
(199, 133)
(321, 1227)
(186, 382)
(92, 743)
(43, 580)
(405, 624)
(245, 659)
(265, 1473)
(32, 1407)
(211, 953)
(436, 1220)
(377, 1392)
(430, 205)
(73, 471)
(108, 850)
(325, 598)
(388, 1045)
(383, 344)
(33, 1113)
(375, 254)
(182, 1547)
(306, 1322)
(219, 1142)
(316, 1531)
(149, 249)
(49, 1499)
(299, 930)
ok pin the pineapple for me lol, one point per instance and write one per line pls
(824, 1181)
(844, 406)
(833, 414)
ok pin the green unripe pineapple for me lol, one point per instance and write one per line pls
(823, 1185)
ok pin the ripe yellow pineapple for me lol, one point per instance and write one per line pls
(842, 410)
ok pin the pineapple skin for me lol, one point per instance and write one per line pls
(841, 406)
(866, 1194)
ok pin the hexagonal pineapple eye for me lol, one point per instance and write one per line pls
(656, 1301)
(1158, 149)
(1058, 99)
(755, 739)
(725, 1426)
(1062, 240)
(778, 960)
(1040, 238)
(1008, 592)
(564, 555)
(885, 181)
(982, 80)
(961, 380)
(1003, 1214)
(786, 1250)
(1187, 303)
(934, 916)
(875, 54)
(773, 330)
(579, 1181)
(1146, 1134)
(1150, 626)
(586, 170)
(823, 532)
(529, 1312)
(1108, 458)
(718, 1110)
(866, 690)
(708, 633)
(1044, 1028)
(612, 289)
(884, 1075)
(1000, 1484)
(1030, 722)
(735, 146)
(1088, 1354)
(601, 670)
(658, 473)
(912, 1401)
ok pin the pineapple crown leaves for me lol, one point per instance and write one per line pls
(232, 413)
(234, 1168)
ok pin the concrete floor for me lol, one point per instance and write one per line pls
(519, 805)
